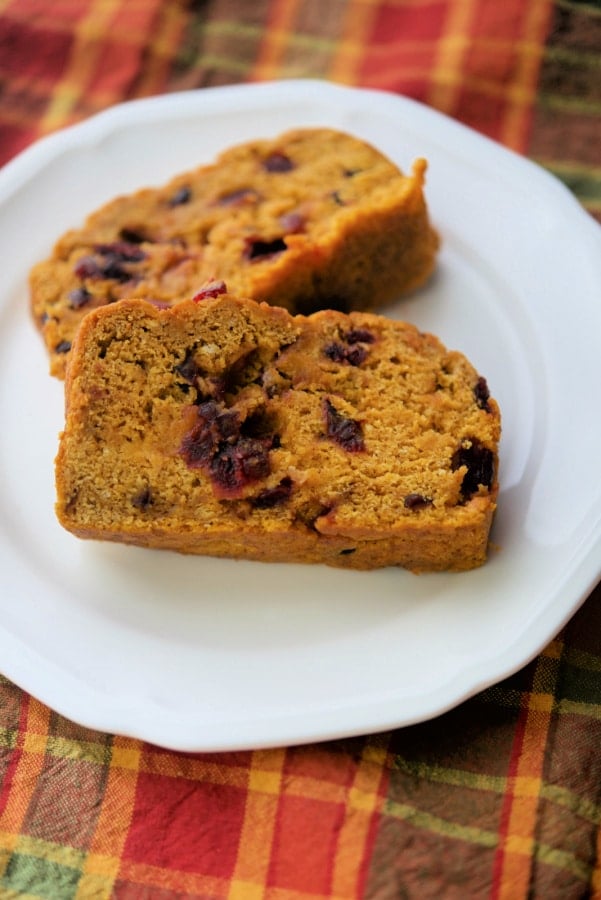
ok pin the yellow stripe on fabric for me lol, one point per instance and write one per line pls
(81, 64)
(279, 27)
(176, 766)
(357, 27)
(178, 882)
(259, 824)
(98, 876)
(364, 800)
(172, 20)
(101, 866)
(447, 72)
(515, 128)
(515, 862)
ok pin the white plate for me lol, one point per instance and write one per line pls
(201, 654)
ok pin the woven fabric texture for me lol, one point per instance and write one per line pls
(499, 798)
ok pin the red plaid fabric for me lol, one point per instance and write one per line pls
(498, 798)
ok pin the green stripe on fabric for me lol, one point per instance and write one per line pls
(559, 859)
(456, 777)
(579, 657)
(575, 58)
(593, 8)
(222, 63)
(512, 699)
(557, 103)
(580, 709)
(40, 875)
(254, 32)
(440, 826)
(582, 807)
(8, 738)
(564, 861)
(88, 751)
(59, 854)
(497, 784)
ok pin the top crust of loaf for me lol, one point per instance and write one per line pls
(232, 428)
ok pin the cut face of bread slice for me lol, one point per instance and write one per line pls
(230, 428)
(313, 219)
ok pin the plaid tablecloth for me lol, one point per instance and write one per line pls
(498, 798)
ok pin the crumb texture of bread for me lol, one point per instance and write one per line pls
(231, 428)
(310, 220)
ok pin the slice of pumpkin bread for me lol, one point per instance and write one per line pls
(313, 219)
(231, 428)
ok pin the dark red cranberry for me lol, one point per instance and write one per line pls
(228, 425)
(335, 351)
(259, 249)
(356, 354)
(234, 465)
(110, 261)
(189, 368)
(417, 501)
(479, 461)
(346, 432)
(123, 251)
(213, 289)
(278, 162)
(63, 347)
(182, 195)
(142, 500)
(353, 353)
(88, 267)
(199, 445)
(359, 336)
(274, 496)
(79, 297)
(482, 394)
